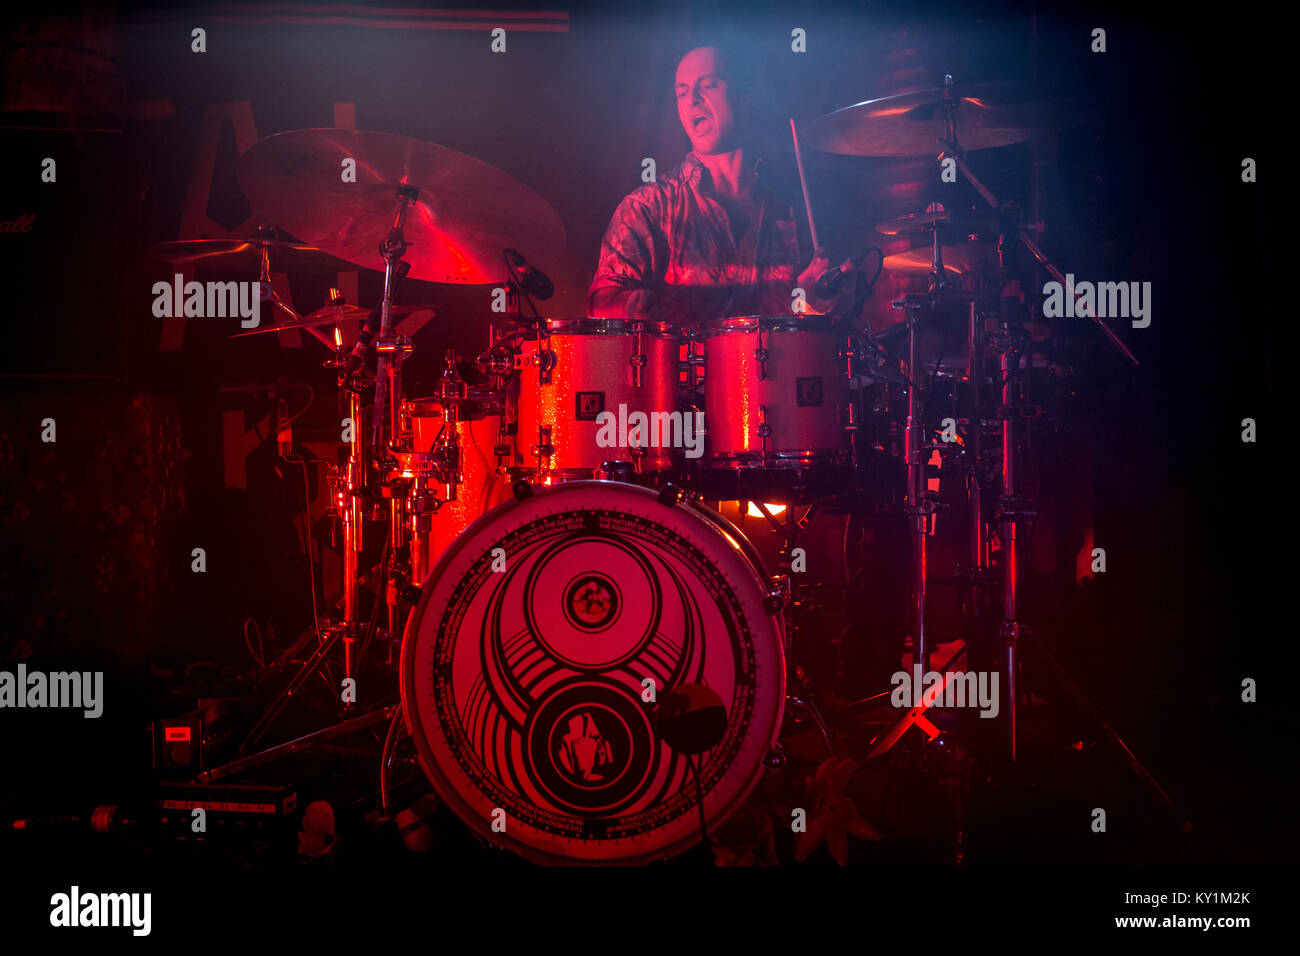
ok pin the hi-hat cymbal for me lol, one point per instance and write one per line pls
(965, 259)
(329, 315)
(919, 222)
(467, 212)
(913, 124)
(245, 255)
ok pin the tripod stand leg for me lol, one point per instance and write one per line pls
(298, 745)
(1111, 733)
(295, 685)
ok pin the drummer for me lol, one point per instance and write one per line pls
(714, 237)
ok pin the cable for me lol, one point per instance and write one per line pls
(259, 655)
(699, 793)
(311, 397)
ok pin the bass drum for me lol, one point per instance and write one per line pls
(525, 663)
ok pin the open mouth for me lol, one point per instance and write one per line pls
(698, 121)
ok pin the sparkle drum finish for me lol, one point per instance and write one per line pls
(776, 393)
(481, 486)
(580, 368)
(524, 666)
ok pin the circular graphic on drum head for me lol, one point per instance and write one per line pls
(591, 602)
(529, 691)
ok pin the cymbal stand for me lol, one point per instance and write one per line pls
(799, 691)
(389, 433)
(265, 239)
(918, 507)
(952, 149)
(347, 492)
(443, 468)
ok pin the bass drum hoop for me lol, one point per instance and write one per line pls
(447, 791)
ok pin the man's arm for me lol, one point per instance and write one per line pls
(632, 258)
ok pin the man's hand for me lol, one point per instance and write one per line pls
(808, 278)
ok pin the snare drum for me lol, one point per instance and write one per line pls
(585, 387)
(481, 486)
(776, 393)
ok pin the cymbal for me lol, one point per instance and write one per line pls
(245, 255)
(919, 222)
(965, 259)
(329, 315)
(913, 124)
(467, 212)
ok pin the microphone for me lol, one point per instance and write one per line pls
(690, 718)
(532, 281)
(829, 283)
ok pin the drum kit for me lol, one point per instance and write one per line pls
(596, 665)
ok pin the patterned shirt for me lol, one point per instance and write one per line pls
(673, 239)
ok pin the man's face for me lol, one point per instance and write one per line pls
(703, 104)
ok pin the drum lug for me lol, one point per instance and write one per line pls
(522, 490)
(670, 494)
(760, 355)
(763, 431)
(774, 602)
(543, 448)
(543, 360)
(638, 359)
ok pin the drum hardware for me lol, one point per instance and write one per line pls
(987, 116)
(1009, 226)
(543, 450)
(352, 725)
(799, 691)
(760, 356)
(333, 315)
(637, 360)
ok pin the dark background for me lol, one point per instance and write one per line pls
(1146, 187)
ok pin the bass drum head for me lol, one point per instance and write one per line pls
(524, 666)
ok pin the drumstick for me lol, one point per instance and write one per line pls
(803, 184)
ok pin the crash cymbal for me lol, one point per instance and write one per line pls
(920, 222)
(467, 212)
(329, 315)
(245, 255)
(913, 124)
(965, 259)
